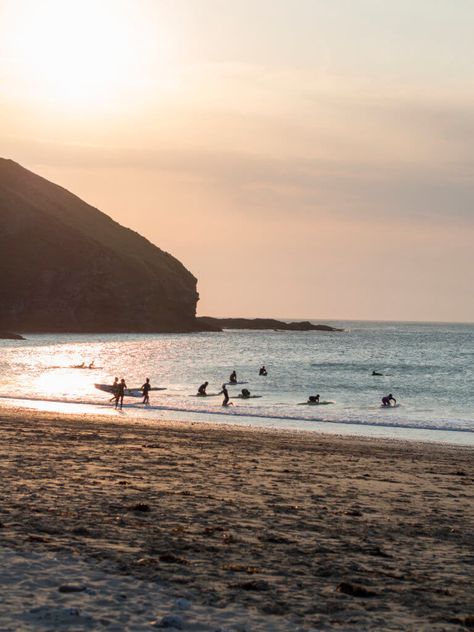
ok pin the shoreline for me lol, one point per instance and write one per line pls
(461, 437)
(276, 530)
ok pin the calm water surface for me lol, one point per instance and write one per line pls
(428, 367)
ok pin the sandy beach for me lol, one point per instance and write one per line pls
(110, 525)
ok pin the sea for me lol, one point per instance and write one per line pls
(428, 367)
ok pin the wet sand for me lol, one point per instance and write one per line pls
(227, 528)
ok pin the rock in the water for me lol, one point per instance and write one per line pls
(171, 621)
(66, 266)
(7, 335)
(355, 590)
(71, 588)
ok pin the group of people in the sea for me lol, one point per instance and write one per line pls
(119, 387)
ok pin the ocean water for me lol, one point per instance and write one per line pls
(428, 367)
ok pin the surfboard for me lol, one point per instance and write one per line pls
(323, 403)
(249, 397)
(206, 395)
(394, 406)
(128, 392)
(234, 383)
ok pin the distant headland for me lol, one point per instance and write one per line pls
(262, 323)
(68, 267)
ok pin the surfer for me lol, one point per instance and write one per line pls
(313, 399)
(245, 394)
(202, 389)
(91, 365)
(233, 377)
(378, 374)
(114, 389)
(225, 392)
(146, 388)
(120, 392)
(263, 371)
(387, 399)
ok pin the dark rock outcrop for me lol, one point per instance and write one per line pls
(66, 266)
(6, 335)
(262, 323)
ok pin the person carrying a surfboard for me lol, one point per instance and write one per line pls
(146, 388)
(114, 391)
(121, 386)
(387, 399)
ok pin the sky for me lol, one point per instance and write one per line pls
(303, 158)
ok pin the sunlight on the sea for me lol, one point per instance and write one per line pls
(62, 383)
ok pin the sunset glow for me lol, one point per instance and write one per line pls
(315, 145)
(80, 55)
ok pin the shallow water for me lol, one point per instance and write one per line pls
(429, 368)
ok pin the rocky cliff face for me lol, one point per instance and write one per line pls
(65, 266)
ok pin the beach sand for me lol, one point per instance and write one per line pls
(107, 524)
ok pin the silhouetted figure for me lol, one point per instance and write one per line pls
(91, 365)
(233, 377)
(121, 386)
(245, 394)
(202, 389)
(146, 388)
(225, 392)
(263, 371)
(313, 399)
(387, 399)
(378, 374)
(114, 387)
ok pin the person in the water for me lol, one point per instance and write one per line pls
(92, 365)
(225, 392)
(146, 388)
(376, 373)
(121, 386)
(263, 371)
(245, 393)
(387, 399)
(233, 377)
(313, 399)
(202, 389)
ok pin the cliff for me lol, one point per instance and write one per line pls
(262, 323)
(66, 266)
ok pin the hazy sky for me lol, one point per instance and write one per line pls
(303, 158)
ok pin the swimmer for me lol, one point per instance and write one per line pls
(378, 374)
